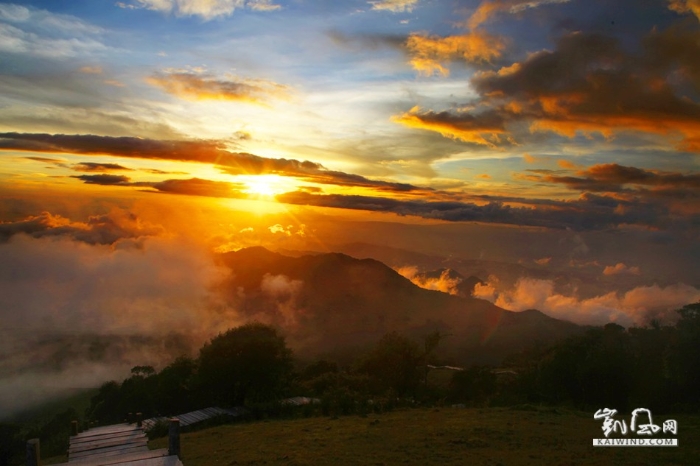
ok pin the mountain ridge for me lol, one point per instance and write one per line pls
(328, 301)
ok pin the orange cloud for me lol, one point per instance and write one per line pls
(91, 69)
(532, 159)
(485, 129)
(430, 53)
(488, 9)
(568, 164)
(685, 6)
(197, 86)
(588, 84)
(620, 268)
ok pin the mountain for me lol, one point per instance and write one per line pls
(332, 302)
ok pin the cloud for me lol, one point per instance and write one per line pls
(634, 307)
(108, 229)
(528, 158)
(395, 6)
(483, 129)
(490, 8)
(588, 84)
(429, 54)
(278, 228)
(588, 212)
(200, 187)
(279, 286)
(444, 283)
(40, 33)
(620, 269)
(205, 9)
(98, 167)
(46, 160)
(104, 179)
(262, 5)
(190, 187)
(75, 315)
(202, 151)
(91, 69)
(191, 85)
(685, 6)
(612, 177)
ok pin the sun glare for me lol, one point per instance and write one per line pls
(266, 186)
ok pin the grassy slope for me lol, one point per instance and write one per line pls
(425, 436)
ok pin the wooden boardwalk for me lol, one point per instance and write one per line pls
(119, 444)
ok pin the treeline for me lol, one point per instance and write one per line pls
(654, 367)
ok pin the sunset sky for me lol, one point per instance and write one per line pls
(553, 143)
(556, 134)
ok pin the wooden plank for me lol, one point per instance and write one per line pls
(109, 428)
(110, 451)
(117, 459)
(119, 428)
(199, 416)
(106, 443)
(96, 438)
(164, 461)
(186, 419)
(106, 449)
(212, 412)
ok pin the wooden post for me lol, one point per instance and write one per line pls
(74, 428)
(130, 418)
(33, 452)
(139, 419)
(174, 437)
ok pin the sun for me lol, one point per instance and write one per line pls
(265, 186)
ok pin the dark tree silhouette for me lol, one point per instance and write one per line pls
(392, 365)
(247, 363)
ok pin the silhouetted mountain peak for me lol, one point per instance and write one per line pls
(331, 300)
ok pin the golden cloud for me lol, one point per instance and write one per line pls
(588, 84)
(192, 85)
(484, 129)
(430, 53)
(490, 8)
(685, 6)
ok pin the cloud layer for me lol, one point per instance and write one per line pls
(634, 307)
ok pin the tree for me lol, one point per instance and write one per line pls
(475, 385)
(392, 365)
(247, 363)
(175, 393)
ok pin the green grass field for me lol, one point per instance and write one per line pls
(424, 436)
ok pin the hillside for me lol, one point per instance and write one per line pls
(327, 302)
(523, 435)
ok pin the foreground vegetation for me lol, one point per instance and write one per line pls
(656, 367)
(521, 434)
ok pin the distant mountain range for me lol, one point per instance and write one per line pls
(334, 303)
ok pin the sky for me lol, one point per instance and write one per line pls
(560, 137)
